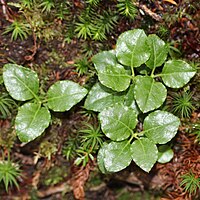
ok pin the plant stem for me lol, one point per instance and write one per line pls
(152, 72)
(132, 70)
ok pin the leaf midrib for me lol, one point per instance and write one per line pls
(62, 96)
(31, 91)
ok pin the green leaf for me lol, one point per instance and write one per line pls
(132, 49)
(130, 99)
(144, 153)
(158, 50)
(21, 83)
(31, 121)
(101, 97)
(118, 121)
(117, 156)
(63, 95)
(161, 126)
(149, 94)
(110, 73)
(177, 73)
(100, 158)
(165, 154)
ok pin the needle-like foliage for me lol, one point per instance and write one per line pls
(9, 172)
(191, 183)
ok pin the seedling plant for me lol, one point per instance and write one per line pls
(133, 83)
(33, 115)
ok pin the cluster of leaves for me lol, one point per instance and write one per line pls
(92, 22)
(37, 16)
(84, 144)
(33, 116)
(95, 26)
(9, 172)
(191, 183)
(7, 105)
(130, 89)
(182, 104)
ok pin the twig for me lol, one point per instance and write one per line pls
(6, 11)
(148, 11)
(64, 187)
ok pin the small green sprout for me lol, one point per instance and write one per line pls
(191, 183)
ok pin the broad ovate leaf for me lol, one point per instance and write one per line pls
(177, 73)
(161, 126)
(158, 50)
(132, 49)
(101, 97)
(149, 94)
(62, 95)
(165, 154)
(117, 156)
(117, 122)
(100, 158)
(144, 153)
(110, 72)
(31, 121)
(22, 83)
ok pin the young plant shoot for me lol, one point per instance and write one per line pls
(133, 80)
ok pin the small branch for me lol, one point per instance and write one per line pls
(148, 11)
(64, 187)
(6, 11)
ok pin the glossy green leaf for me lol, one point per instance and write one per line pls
(161, 126)
(132, 48)
(110, 73)
(144, 153)
(63, 95)
(130, 99)
(101, 97)
(117, 156)
(149, 94)
(100, 158)
(165, 154)
(177, 73)
(21, 83)
(31, 121)
(158, 50)
(117, 122)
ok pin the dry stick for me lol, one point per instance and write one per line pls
(6, 11)
(64, 187)
(148, 11)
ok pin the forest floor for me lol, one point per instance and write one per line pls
(57, 178)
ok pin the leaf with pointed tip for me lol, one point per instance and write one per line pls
(62, 95)
(161, 126)
(117, 156)
(144, 153)
(101, 97)
(31, 121)
(117, 122)
(132, 49)
(165, 154)
(21, 83)
(110, 73)
(158, 50)
(177, 73)
(149, 94)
